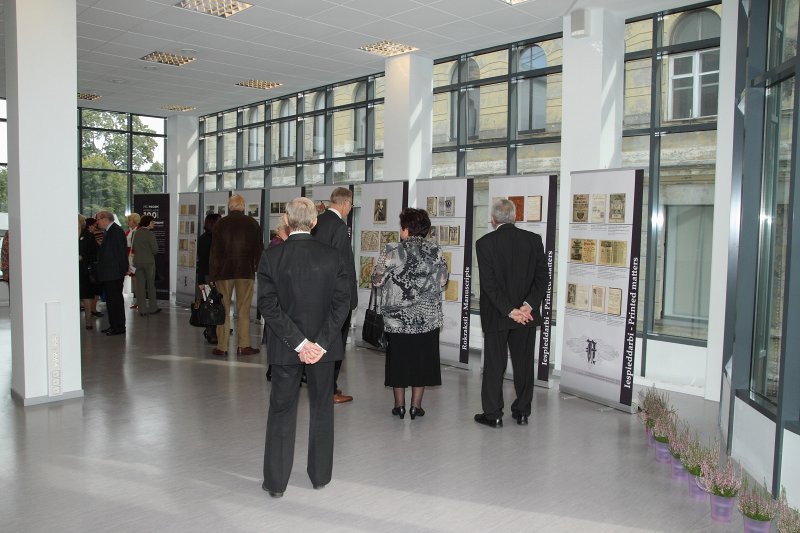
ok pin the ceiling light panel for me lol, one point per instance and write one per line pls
(178, 108)
(259, 84)
(387, 48)
(167, 58)
(89, 96)
(217, 8)
(514, 2)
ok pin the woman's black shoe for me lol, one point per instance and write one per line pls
(416, 411)
(400, 411)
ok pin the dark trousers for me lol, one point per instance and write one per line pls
(282, 424)
(338, 364)
(115, 305)
(496, 346)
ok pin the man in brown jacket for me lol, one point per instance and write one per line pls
(235, 252)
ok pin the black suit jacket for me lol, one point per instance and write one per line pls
(303, 293)
(332, 230)
(512, 269)
(112, 256)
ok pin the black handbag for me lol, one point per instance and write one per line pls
(91, 273)
(208, 312)
(372, 331)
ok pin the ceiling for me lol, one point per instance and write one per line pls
(300, 43)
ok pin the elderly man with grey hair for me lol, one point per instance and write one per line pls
(303, 295)
(112, 266)
(513, 279)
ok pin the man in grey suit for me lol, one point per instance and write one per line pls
(303, 295)
(513, 280)
(331, 229)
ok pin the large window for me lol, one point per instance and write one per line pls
(670, 109)
(120, 155)
(331, 134)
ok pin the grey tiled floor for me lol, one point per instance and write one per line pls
(168, 438)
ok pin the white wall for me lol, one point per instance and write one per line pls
(753, 441)
(790, 467)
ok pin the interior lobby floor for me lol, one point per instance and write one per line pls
(170, 438)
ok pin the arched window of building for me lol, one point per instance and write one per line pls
(473, 95)
(254, 143)
(531, 92)
(360, 118)
(319, 124)
(286, 138)
(694, 76)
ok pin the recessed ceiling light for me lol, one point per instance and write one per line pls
(178, 107)
(217, 8)
(387, 48)
(168, 59)
(259, 84)
(89, 96)
(514, 2)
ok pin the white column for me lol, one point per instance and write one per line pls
(722, 198)
(41, 86)
(407, 116)
(591, 123)
(183, 142)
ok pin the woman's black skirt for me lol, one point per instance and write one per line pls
(412, 360)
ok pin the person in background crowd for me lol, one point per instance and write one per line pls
(203, 254)
(331, 229)
(235, 251)
(87, 259)
(303, 295)
(281, 234)
(97, 234)
(144, 261)
(112, 267)
(4, 256)
(411, 275)
(514, 278)
(133, 224)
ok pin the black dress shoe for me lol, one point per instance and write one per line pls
(522, 420)
(414, 412)
(399, 411)
(319, 486)
(112, 332)
(492, 422)
(97, 314)
(273, 493)
(156, 311)
(106, 330)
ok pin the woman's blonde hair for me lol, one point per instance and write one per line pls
(134, 219)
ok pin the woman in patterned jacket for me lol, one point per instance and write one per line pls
(410, 275)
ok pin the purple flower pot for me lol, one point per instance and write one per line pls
(662, 452)
(722, 508)
(695, 492)
(678, 471)
(651, 441)
(756, 526)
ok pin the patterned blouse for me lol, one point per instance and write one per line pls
(410, 275)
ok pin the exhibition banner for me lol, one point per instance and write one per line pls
(189, 227)
(377, 224)
(449, 205)
(157, 206)
(535, 200)
(602, 286)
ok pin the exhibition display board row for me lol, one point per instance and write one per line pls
(157, 206)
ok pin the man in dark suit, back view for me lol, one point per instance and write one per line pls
(303, 295)
(331, 229)
(112, 266)
(513, 280)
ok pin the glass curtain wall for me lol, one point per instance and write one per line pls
(669, 130)
(497, 112)
(331, 134)
(120, 154)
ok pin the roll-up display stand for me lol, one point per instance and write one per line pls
(602, 286)
(449, 205)
(189, 227)
(377, 224)
(157, 206)
(535, 200)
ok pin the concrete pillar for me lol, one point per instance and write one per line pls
(41, 86)
(408, 112)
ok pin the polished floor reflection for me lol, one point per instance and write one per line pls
(169, 438)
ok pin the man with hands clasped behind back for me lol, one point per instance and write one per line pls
(304, 297)
(514, 278)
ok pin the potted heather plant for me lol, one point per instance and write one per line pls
(693, 459)
(758, 507)
(723, 485)
(663, 425)
(679, 438)
(789, 521)
(651, 403)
